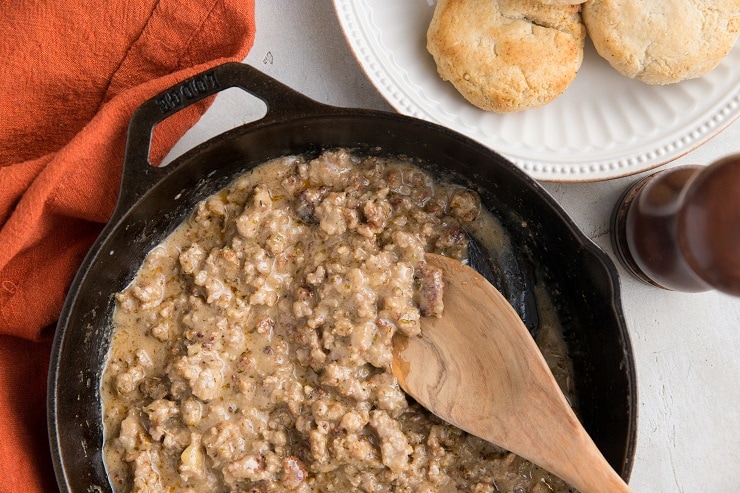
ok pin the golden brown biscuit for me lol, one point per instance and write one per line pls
(506, 55)
(561, 2)
(663, 41)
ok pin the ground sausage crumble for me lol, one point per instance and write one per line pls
(252, 351)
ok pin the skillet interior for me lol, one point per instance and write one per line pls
(581, 279)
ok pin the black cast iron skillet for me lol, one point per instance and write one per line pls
(153, 201)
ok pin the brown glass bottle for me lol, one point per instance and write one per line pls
(679, 229)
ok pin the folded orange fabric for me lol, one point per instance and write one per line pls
(72, 74)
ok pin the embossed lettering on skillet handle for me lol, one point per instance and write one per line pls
(283, 103)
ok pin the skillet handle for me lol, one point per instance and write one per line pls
(139, 175)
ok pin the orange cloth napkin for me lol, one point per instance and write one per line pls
(72, 73)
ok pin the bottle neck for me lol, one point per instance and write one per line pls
(708, 225)
(651, 227)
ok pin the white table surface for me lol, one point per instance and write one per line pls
(686, 345)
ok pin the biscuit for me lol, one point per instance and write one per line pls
(561, 2)
(506, 55)
(662, 41)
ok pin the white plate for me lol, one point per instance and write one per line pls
(604, 126)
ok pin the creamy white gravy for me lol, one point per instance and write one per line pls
(252, 350)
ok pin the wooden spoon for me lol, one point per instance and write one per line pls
(478, 368)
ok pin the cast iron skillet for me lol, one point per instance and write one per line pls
(153, 201)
